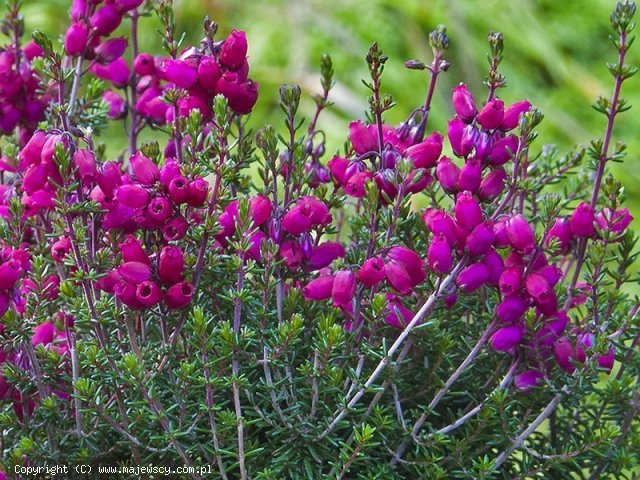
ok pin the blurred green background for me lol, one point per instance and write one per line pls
(555, 55)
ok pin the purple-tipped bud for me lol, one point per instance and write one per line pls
(361, 138)
(506, 338)
(43, 334)
(440, 223)
(472, 277)
(480, 240)
(198, 191)
(324, 254)
(178, 190)
(411, 261)
(492, 185)
(470, 175)
(467, 211)
(510, 281)
(425, 154)
(527, 380)
(582, 221)
(144, 64)
(148, 293)
(159, 209)
(483, 146)
(492, 114)
(470, 136)
(75, 40)
(132, 195)
(178, 72)
(503, 150)
(520, 233)
(439, 255)
(455, 129)
(234, 50)
(132, 251)
(564, 354)
(145, 171)
(447, 174)
(179, 295)
(512, 114)
(463, 103)
(512, 308)
(372, 272)
(344, 288)
(110, 50)
(105, 20)
(319, 288)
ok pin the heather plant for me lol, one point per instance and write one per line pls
(225, 295)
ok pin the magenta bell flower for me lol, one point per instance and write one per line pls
(315, 209)
(472, 277)
(179, 295)
(398, 277)
(171, 265)
(245, 98)
(148, 293)
(492, 185)
(561, 233)
(361, 138)
(344, 288)
(297, 221)
(144, 64)
(527, 380)
(10, 273)
(564, 354)
(470, 175)
(324, 254)
(398, 315)
(468, 140)
(109, 178)
(510, 281)
(159, 209)
(372, 272)
(132, 195)
(127, 5)
(582, 221)
(542, 293)
(495, 265)
(209, 73)
(338, 169)
(440, 223)
(175, 229)
(447, 174)
(512, 114)
(178, 190)
(178, 72)
(617, 221)
(355, 187)
(43, 334)
(168, 172)
(411, 261)
(520, 233)
(512, 308)
(198, 192)
(506, 338)
(145, 171)
(60, 249)
(31, 153)
(35, 178)
(463, 103)
(117, 105)
(439, 255)
(117, 72)
(480, 240)
(111, 49)
(234, 50)
(5, 302)
(105, 20)
(132, 250)
(318, 289)
(260, 208)
(492, 114)
(425, 154)
(75, 39)
(503, 150)
(467, 211)
(135, 272)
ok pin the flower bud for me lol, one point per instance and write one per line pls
(425, 154)
(512, 308)
(35, 178)
(324, 254)
(455, 129)
(171, 265)
(319, 288)
(512, 114)
(492, 114)
(472, 277)
(520, 233)
(484, 144)
(111, 49)
(503, 150)
(439, 256)
(178, 72)
(234, 50)
(105, 20)
(372, 272)
(344, 288)
(361, 138)
(198, 191)
(470, 136)
(168, 172)
(448, 174)
(470, 175)
(492, 185)
(564, 354)
(260, 208)
(178, 190)
(32, 151)
(582, 221)
(179, 295)
(467, 211)
(440, 223)
(463, 103)
(506, 338)
(338, 169)
(132, 195)
(545, 298)
(480, 240)
(144, 64)
(148, 293)
(145, 171)
(117, 72)
(75, 39)
(527, 380)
